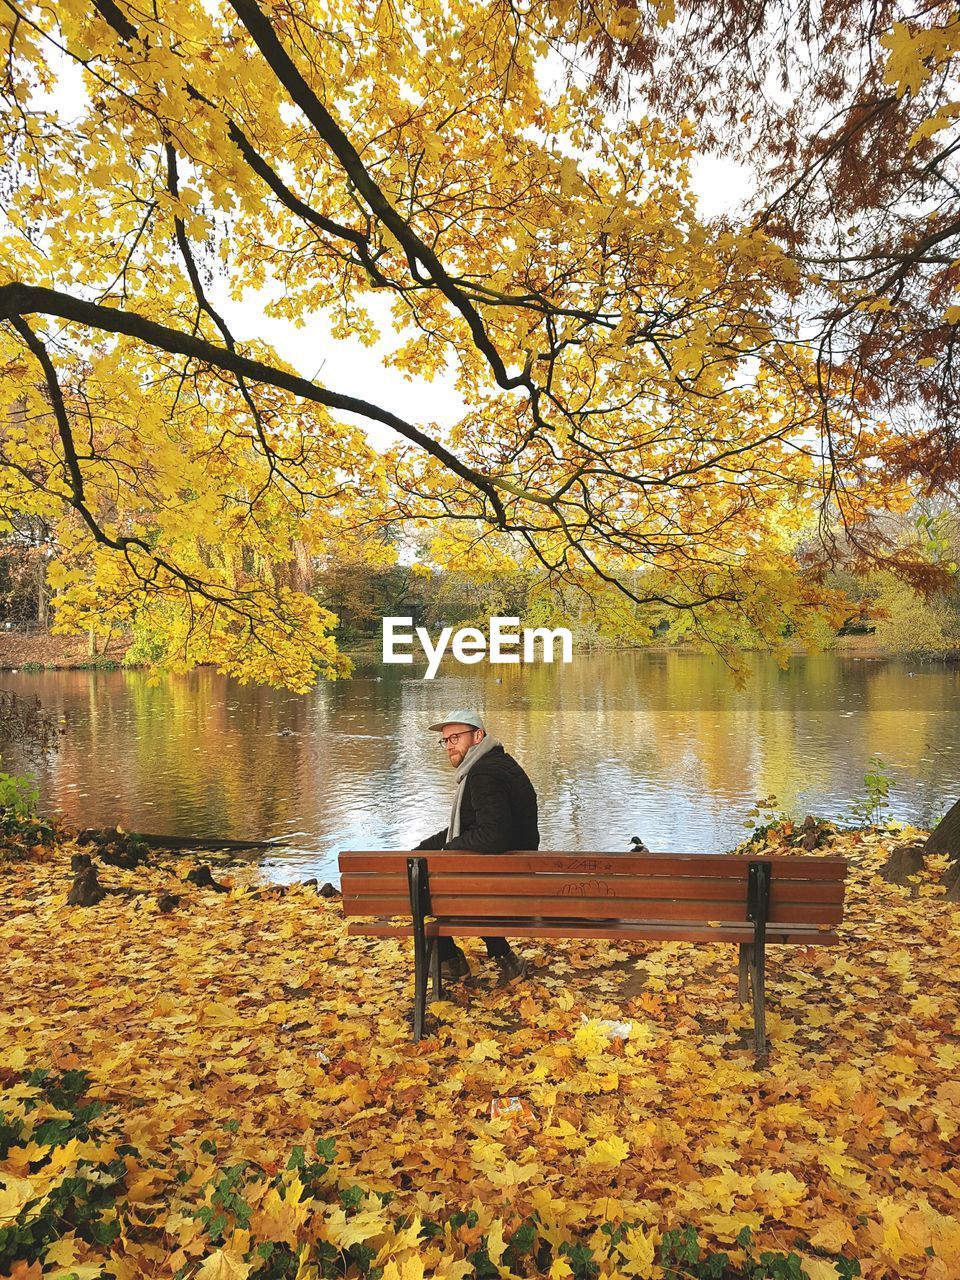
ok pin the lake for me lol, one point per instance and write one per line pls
(660, 745)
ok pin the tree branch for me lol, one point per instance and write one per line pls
(19, 299)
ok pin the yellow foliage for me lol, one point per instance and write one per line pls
(632, 399)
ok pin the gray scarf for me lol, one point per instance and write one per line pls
(466, 764)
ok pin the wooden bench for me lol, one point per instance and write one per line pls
(649, 897)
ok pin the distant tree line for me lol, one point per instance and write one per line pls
(363, 583)
(903, 618)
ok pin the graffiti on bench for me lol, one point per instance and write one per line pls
(587, 889)
(589, 866)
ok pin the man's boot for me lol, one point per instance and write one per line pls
(511, 966)
(454, 967)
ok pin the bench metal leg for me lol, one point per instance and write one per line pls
(419, 996)
(743, 976)
(757, 974)
(435, 968)
(419, 907)
(758, 909)
(426, 960)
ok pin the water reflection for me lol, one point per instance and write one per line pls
(660, 745)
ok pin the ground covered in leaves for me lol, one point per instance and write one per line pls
(228, 1088)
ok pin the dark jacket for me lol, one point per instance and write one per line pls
(498, 811)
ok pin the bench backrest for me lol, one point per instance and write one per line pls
(806, 893)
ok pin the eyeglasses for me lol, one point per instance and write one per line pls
(453, 737)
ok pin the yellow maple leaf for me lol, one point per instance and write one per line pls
(366, 1225)
(721, 1189)
(15, 1193)
(933, 124)
(496, 1245)
(279, 1217)
(779, 1189)
(512, 1174)
(63, 1251)
(409, 1268)
(639, 1250)
(483, 1051)
(569, 176)
(453, 1269)
(832, 1235)
(895, 1236)
(607, 1153)
(221, 1013)
(224, 1264)
(63, 1254)
(818, 1268)
(904, 66)
(407, 1237)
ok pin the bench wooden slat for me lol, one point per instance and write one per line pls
(606, 908)
(666, 931)
(588, 864)
(641, 888)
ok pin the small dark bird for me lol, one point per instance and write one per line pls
(86, 890)
(201, 877)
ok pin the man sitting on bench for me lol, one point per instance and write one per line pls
(494, 810)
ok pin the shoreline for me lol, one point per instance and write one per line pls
(41, 651)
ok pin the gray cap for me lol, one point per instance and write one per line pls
(459, 717)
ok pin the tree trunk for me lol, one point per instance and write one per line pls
(945, 837)
(43, 599)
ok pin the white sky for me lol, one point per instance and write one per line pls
(347, 366)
